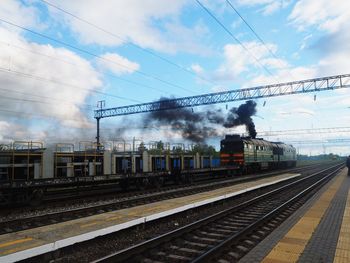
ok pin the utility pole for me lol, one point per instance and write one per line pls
(100, 105)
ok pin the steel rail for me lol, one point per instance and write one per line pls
(38, 220)
(123, 255)
(211, 254)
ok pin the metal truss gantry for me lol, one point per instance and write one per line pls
(281, 89)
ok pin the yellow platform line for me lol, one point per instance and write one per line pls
(15, 242)
(342, 253)
(89, 224)
(118, 217)
(292, 245)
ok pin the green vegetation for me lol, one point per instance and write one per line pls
(204, 149)
(305, 159)
(329, 156)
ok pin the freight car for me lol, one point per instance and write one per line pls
(28, 170)
(255, 154)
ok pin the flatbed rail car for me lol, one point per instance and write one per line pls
(28, 171)
(255, 154)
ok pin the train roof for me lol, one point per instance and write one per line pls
(257, 141)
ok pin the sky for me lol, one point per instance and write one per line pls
(59, 58)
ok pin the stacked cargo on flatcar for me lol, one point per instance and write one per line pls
(28, 170)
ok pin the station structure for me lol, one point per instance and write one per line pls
(318, 232)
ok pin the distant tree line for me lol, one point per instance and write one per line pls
(329, 156)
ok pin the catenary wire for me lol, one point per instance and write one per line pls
(256, 34)
(87, 106)
(79, 66)
(236, 39)
(94, 55)
(127, 42)
(22, 113)
(39, 78)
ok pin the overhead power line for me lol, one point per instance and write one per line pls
(36, 115)
(79, 66)
(40, 78)
(255, 33)
(126, 41)
(235, 38)
(94, 55)
(87, 106)
(41, 101)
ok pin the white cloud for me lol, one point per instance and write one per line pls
(43, 103)
(14, 131)
(197, 68)
(305, 40)
(326, 15)
(236, 24)
(284, 75)
(17, 12)
(332, 18)
(149, 23)
(117, 64)
(237, 60)
(186, 39)
(269, 6)
(218, 88)
(218, 6)
(4, 127)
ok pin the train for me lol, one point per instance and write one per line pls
(255, 154)
(28, 170)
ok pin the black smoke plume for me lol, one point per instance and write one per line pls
(215, 117)
(190, 124)
(242, 116)
(193, 125)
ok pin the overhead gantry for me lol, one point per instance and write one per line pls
(280, 89)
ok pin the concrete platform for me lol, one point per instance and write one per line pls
(318, 232)
(29, 243)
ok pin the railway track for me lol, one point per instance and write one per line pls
(41, 218)
(108, 190)
(230, 234)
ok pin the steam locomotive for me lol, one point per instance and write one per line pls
(255, 154)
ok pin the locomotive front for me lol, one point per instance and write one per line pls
(232, 151)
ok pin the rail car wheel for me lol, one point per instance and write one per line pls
(190, 178)
(240, 171)
(186, 178)
(124, 184)
(36, 197)
(142, 183)
(5, 199)
(157, 182)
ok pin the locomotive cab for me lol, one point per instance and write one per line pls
(232, 151)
